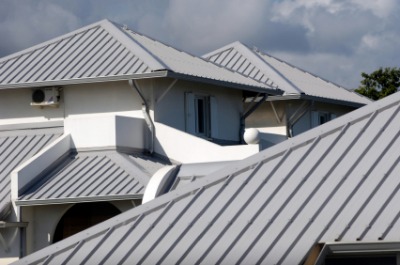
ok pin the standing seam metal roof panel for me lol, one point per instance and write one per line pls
(15, 148)
(280, 74)
(337, 182)
(110, 51)
(94, 175)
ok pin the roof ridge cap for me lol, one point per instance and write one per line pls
(255, 54)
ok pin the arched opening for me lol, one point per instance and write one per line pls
(82, 216)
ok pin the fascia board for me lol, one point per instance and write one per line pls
(77, 200)
(155, 74)
(224, 83)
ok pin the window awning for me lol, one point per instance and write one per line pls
(92, 176)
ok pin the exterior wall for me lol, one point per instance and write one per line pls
(170, 110)
(118, 98)
(76, 100)
(11, 251)
(304, 123)
(43, 221)
(272, 127)
(15, 108)
(274, 130)
(113, 98)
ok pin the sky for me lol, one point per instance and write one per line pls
(334, 39)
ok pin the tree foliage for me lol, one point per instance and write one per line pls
(380, 83)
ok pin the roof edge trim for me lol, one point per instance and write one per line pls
(179, 76)
(315, 98)
(31, 125)
(34, 202)
(156, 74)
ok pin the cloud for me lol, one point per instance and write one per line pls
(336, 39)
(23, 25)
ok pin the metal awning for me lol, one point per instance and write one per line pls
(92, 176)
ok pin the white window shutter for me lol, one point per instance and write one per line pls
(190, 119)
(214, 117)
(314, 119)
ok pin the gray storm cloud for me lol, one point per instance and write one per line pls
(335, 39)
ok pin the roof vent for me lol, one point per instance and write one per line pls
(43, 97)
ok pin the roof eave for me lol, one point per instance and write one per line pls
(210, 81)
(315, 98)
(77, 200)
(156, 74)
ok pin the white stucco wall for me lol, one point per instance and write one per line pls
(274, 130)
(102, 99)
(304, 123)
(272, 127)
(118, 98)
(15, 108)
(170, 110)
(112, 98)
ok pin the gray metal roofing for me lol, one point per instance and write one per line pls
(337, 182)
(107, 51)
(189, 173)
(93, 176)
(279, 74)
(15, 148)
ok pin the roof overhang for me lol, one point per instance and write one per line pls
(37, 202)
(155, 74)
(99, 79)
(357, 248)
(270, 91)
(315, 98)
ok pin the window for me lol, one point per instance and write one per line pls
(354, 253)
(201, 115)
(82, 216)
(320, 117)
(361, 260)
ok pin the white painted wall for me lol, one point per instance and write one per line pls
(99, 131)
(171, 109)
(112, 98)
(272, 127)
(304, 124)
(15, 108)
(186, 148)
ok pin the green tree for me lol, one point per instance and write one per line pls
(380, 83)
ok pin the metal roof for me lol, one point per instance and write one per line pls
(106, 51)
(93, 176)
(279, 74)
(15, 148)
(337, 182)
(189, 173)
